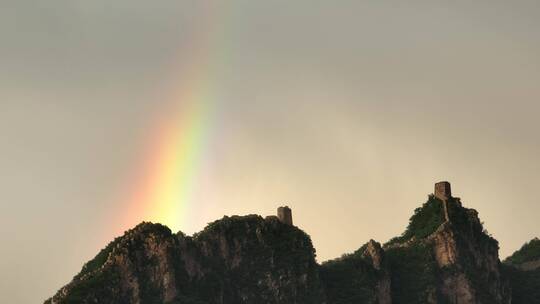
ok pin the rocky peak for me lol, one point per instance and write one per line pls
(234, 260)
(444, 256)
(527, 258)
(450, 241)
(374, 252)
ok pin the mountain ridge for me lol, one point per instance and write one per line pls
(444, 256)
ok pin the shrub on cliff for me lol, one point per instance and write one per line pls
(423, 222)
(528, 252)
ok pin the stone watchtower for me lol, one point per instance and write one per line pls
(284, 215)
(443, 191)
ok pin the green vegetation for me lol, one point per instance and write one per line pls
(99, 259)
(185, 300)
(249, 259)
(104, 284)
(413, 272)
(248, 253)
(103, 254)
(350, 279)
(424, 221)
(288, 244)
(528, 252)
(97, 286)
(525, 284)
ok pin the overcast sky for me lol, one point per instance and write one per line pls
(348, 111)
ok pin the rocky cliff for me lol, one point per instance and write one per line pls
(443, 257)
(234, 260)
(360, 277)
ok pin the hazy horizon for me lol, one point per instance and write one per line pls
(112, 113)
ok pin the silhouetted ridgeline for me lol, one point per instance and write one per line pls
(444, 256)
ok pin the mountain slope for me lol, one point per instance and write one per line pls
(443, 257)
(234, 260)
(523, 270)
(360, 277)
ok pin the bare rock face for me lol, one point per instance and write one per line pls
(376, 254)
(384, 291)
(469, 259)
(444, 246)
(457, 289)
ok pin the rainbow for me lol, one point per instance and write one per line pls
(174, 167)
(164, 192)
